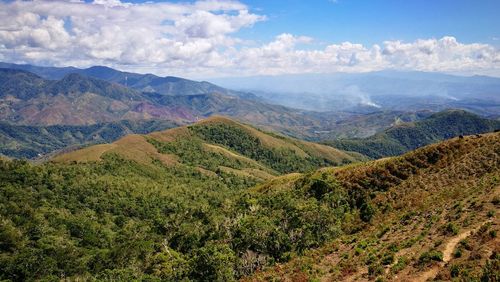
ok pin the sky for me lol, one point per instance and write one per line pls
(219, 38)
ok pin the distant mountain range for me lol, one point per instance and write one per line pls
(169, 85)
(76, 99)
(405, 137)
(43, 96)
(375, 91)
(46, 96)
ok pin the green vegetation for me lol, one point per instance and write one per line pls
(176, 214)
(433, 193)
(284, 160)
(118, 219)
(427, 257)
(406, 137)
(192, 153)
(23, 141)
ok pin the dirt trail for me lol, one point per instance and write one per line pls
(450, 246)
(447, 253)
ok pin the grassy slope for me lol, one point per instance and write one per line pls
(434, 215)
(409, 136)
(20, 141)
(220, 142)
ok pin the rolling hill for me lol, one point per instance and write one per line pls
(219, 143)
(409, 136)
(30, 142)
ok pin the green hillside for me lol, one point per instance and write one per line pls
(220, 143)
(409, 136)
(24, 141)
(169, 205)
(183, 204)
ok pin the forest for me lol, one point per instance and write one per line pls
(118, 219)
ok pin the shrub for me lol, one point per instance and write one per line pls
(366, 212)
(400, 265)
(454, 270)
(387, 259)
(491, 213)
(375, 269)
(430, 256)
(451, 228)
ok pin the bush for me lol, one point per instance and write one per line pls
(451, 228)
(400, 265)
(366, 212)
(454, 270)
(375, 269)
(387, 259)
(430, 256)
(214, 262)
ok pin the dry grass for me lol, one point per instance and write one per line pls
(92, 153)
(136, 147)
(133, 147)
(428, 195)
(229, 154)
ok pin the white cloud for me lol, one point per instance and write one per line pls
(198, 40)
(445, 54)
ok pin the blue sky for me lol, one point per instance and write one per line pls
(214, 38)
(373, 21)
(369, 22)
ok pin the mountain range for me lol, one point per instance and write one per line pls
(83, 100)
(137, 177)
(77, 99)
(375, 91)
(169, 85)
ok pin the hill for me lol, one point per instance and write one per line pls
(216, 144)
(127, 217)
(409, 136)
(75, 99)
(429, 214)
(353, 125)
(24, 141)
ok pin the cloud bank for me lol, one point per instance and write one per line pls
(199, 39)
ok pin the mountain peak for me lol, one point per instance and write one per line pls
(218, 119)
(8, 72)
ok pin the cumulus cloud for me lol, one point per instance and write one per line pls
(445, 54)
(162, 34)
(198, 39)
